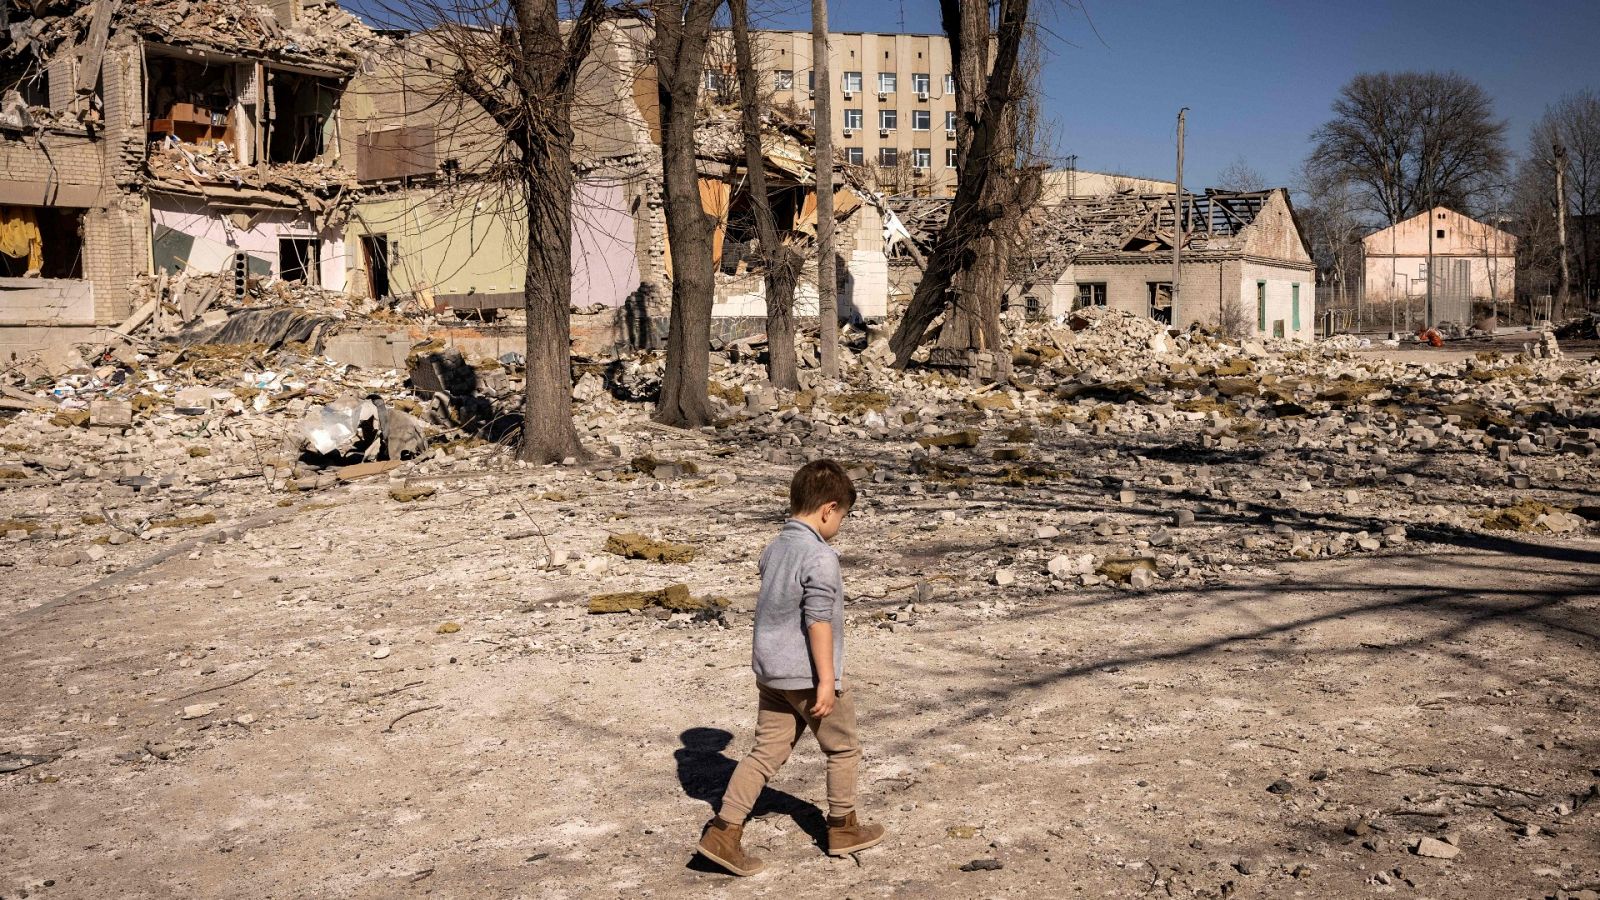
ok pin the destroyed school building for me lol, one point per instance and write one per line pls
(437, 224)
(166, 158)
(1246, 264)
(168, 151)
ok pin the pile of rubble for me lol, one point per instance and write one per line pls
(328, 192)
(1118, 454)
(320, 30)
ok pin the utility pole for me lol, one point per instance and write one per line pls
(822, 88)
(1565, 285)
(1427, 304)
(1177, 228)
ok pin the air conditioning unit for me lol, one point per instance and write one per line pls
(922, 95)
(882, 96)
(883, 132)
(849, 132)
(950, 133)
(848, 95)
(920, 171)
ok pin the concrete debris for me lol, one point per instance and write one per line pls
(675, 598)
(637, 546)
(1434, 848)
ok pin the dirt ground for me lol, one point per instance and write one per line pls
(1097, 743)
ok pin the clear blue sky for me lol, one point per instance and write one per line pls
(1258, 76)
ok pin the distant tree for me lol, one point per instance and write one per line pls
(1408, 141)
(1531, 216)
(1574, 123)
(1333, 226)
(1240, 176)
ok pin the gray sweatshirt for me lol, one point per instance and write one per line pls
(800, 585)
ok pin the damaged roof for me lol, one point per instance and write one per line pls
(1112, 226)
(321, 36)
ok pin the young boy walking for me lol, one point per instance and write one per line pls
(799, 665)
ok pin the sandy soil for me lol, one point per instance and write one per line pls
(1097, 742)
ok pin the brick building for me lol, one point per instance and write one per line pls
(1246, 265)
(184, 138)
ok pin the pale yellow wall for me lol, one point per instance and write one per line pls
(446, 245)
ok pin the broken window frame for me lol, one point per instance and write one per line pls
(309, 265)
(1090, 293)
(51, 238)
(269, 116)
(783, 79)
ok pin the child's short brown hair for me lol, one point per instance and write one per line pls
(817, 483)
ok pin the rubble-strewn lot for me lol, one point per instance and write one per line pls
(1163, 616)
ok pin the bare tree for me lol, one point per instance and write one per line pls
(682, 30)
(1574, 123)
(1531, 210)
(1409, 141)
(985, 156)
(514, 61)
(827, 285)
(1563, 256)
(780, 260)
(1240, 176)
(1332, 227)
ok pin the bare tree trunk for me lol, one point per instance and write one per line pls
(984, 170)
(682, 28)
(827, 269)
(973, 322)
(535, 109)
(781, 261)
(1564, 285)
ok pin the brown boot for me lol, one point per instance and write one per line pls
(846, 835)
(719, 842)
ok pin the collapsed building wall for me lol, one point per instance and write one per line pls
(179, 126)
(213, 237)
(1246, 266)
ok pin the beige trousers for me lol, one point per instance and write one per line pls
(780, 719)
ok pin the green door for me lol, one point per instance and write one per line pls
(1294, 306)
(1261, 306)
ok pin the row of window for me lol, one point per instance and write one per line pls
(889, 119)
(889, 157)
(1093, 293)
(850, 82)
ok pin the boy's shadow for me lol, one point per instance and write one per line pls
(704, 773)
